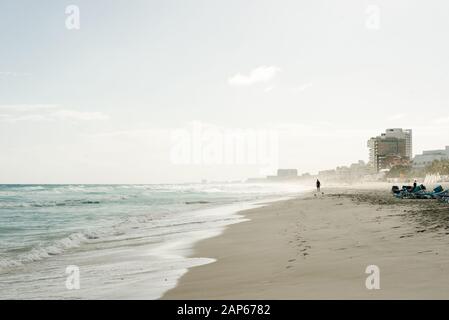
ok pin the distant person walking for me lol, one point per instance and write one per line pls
(318, 185)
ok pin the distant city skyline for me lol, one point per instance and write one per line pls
(306, 82)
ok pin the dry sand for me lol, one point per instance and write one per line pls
(318, 247)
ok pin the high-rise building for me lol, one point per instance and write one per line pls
(402, 134)
(390, 148)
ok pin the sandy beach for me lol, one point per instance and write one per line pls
(318, 247)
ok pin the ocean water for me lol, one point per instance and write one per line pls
(127, 241)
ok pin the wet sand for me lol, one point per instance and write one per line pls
(319, 246)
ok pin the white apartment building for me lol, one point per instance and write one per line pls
(427, 157)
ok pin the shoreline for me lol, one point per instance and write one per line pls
(319, 248)
(122, 269)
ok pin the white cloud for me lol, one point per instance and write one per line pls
(27, 107)
(14, 74)
(322, 129)
(19, 118)
(258, 75)
(78, 115)
(135, 133)
(395, 117)
(45, 112)
(302, 87)
(442, 120)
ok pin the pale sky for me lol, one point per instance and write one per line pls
(101, 104)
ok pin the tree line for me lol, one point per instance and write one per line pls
(407, 171)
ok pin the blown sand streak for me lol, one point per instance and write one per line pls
(318, 248)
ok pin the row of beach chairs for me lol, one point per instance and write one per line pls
(420, 192)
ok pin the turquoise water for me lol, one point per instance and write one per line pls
(37, 221)
(108, 229)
